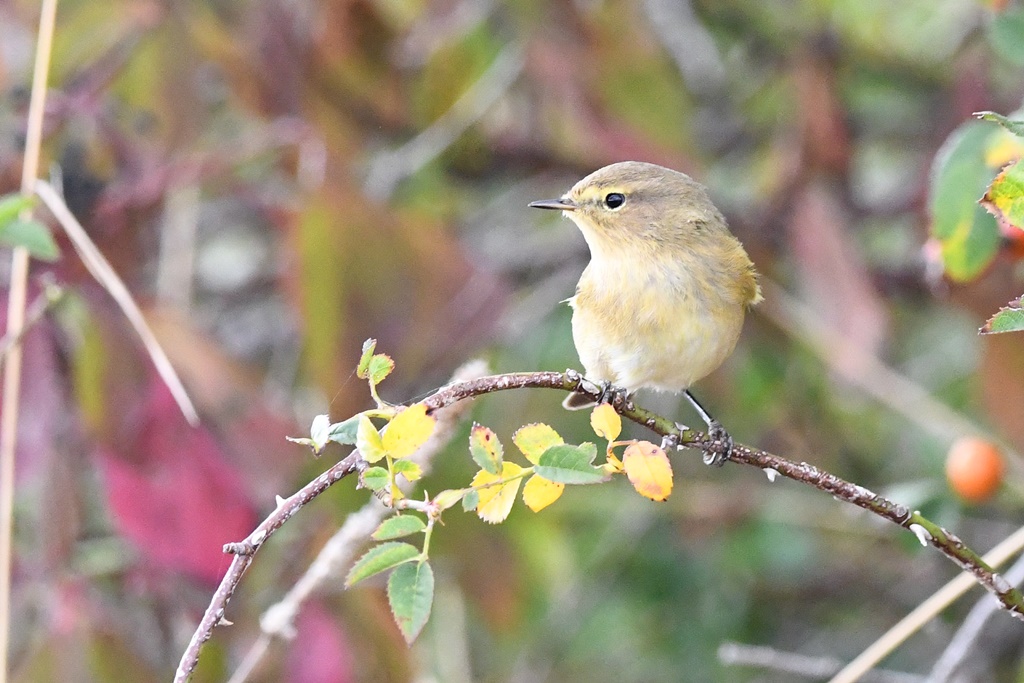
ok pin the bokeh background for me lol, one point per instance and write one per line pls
(278, 181)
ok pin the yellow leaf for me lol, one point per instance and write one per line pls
(540, 492)
(606, 422)
(648, 470)
(614, 465)
(534, 439)
(409, 430)
(1003, 148)
(368, 440)
(496, 501)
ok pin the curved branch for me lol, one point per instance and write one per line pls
(926, 531)
(246, 549)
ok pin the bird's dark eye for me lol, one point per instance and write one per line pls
(614, 200)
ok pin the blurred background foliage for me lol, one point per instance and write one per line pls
(277, 181)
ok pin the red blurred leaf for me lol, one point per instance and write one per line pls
(229, 396)
(176, 498)
(321, 652)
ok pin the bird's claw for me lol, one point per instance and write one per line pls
(670, 442)
(718, 445)
(611, 393)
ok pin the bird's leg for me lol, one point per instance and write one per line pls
(718, 447)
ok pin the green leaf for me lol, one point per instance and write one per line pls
(379, 367)
(363, 368)
(486, 449)
(470, 500)
(368, 440)
(1008, 319)
(344, 432)
(398, 526)
(408, 469)
(1005, 197)
(967, 234)
(1015, 127)
(11, 206)
(567, 464)
(410, 594)
(375, 478)
(448, 498)
(33, 236)
(1004, 32)
(380, 558)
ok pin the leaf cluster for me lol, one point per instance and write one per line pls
(969, 230)
(551, 465)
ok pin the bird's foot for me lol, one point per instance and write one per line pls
(611, 393)
(718, 445)
(581, 396)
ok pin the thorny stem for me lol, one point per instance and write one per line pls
(246, 549)
(926, 531)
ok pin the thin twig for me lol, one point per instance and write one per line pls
(926, 611)
(52, 294)
(738, 654)
(16, 300)
(889, 387)
(689, 43)
(105, 274)
(279, 619)
(961, 645)
(390, 167)
(925, 530)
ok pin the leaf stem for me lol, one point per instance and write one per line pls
(427, 533)
(504, 480)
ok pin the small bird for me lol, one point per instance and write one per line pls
(662, 301)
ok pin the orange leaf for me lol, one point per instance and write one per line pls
(648, 470)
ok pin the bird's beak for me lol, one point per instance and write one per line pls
(563, 204)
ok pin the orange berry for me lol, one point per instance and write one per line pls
(974, 468)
